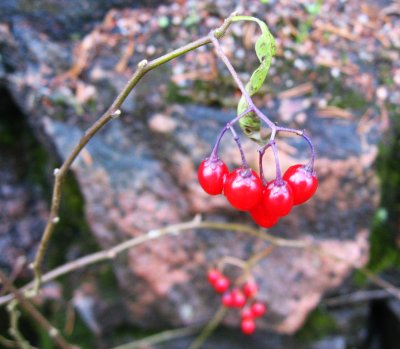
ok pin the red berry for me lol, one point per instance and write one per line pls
(278, 198)
(238, 298)
(213, 275)
(227, 300)
(250, 289)
(248, 326)
(303, 182)
(262, 216)
(258, 309)
(246, 313)
(221, 284)
(211, 175)
(243, 189)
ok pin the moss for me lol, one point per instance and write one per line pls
(175, 94)
(318, 325)
(384, 252)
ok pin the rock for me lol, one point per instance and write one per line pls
(162, 123)
(23, 211)
(137, 175)
(336, 342)
(62, 17)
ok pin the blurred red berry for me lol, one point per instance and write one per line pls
(213, 275)
(238, 298)
(248, 326)
(258, 309)
(246, 313)
(221, 284)
(250, 289)
(227, 299)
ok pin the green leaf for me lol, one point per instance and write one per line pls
(256, 80)
(265, 48)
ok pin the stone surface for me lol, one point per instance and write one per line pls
(139, 173)
(23, 211)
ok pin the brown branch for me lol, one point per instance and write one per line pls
(387, 286)
(209, 328)
(188, 226)
(14, 331)
(160, 338)
(8, 343)
(112, 112)
(35, 314)
(356, 297)
(153, 234)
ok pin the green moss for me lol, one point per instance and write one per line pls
(318, 325)
(346, 98)
(384, 252)
(175, 94)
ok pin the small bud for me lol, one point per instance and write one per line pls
(142, 64)
(116, 114)
(111, 254)
(153, 234)
(53, 332)
(197, 218)
(56, 171)
(55, 220)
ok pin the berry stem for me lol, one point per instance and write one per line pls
(214, 153)
(250, 103)
(310, 165)
(209, 328)
(245, 165)
(261, 153)
(278, 179)
(232, 261)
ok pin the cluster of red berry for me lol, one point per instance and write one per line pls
(241, 298)
(246, 191)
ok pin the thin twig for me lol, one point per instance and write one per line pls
(160, 338)
(35, 314)
(356, 297)
(209, 328)
(157, 233)
(380, 282)
(14, 331)
(8, 343)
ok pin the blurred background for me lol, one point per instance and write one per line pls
(336, 75)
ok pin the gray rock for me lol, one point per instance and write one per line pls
(23, 211)
(336, 342)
